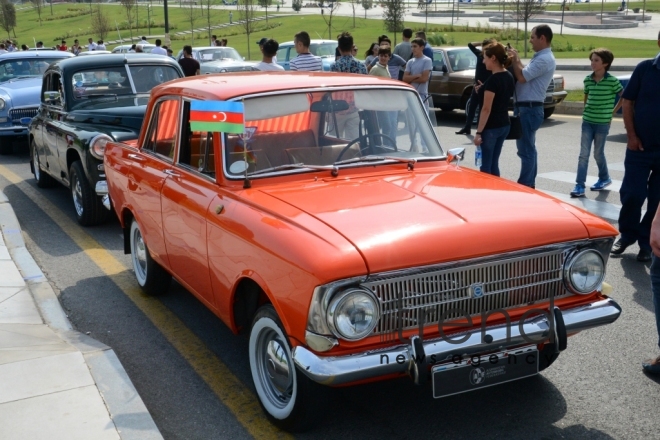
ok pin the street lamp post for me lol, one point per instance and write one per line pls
(149, 18)
(167, 25)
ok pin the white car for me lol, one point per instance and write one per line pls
(126, 47)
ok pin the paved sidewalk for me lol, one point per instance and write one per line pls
(55, 383)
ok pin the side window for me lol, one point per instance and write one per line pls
(53, 84)
(164, 127)
(438, 62)
(195, 147)
(282, 53)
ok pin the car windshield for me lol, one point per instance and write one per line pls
(323, 49)
(220, 53)
(111, 82)
(17, 68)
(462, 59)
(295, 132)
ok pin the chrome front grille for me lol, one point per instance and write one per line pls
(16, 114)
(450, 292)
(551, 86)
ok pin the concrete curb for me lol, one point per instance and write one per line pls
(570, 108)
(127, 410)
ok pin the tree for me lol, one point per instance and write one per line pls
(332, 7)
(264, 4)
(354, 5)
(526, 10)
(296, 5)
(393, 15)
(8, 17)
(191, 15)
(38, 5)
(100, 23)
(207, 5)
(129, 5)
(246, 11)
(367, 4)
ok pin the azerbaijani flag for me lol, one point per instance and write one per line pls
(224, 116)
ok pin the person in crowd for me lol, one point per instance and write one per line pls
(10, 46)
(143, 40)
(428, 50)
(100, 45)
(269, 50)
(395, 62)
(189, 65)
(63, 47)
(354, 51)
(371, 54)
(224, 44)
(40, 45)
(159, 50)
(380, 69)
(641, 179)
(494, 97)
(170, 53)
(418, 70)
(261, 47)
(214, 39)
(24, 47)
(139, 48)
(600, 91)
(653, 365)
(76, 49)
(133, 48)
(532, 83)
(90, 44)
(481, 74)
(3, 48)
(305, 61)
(231, 17)
(346, 63)
(403, 50)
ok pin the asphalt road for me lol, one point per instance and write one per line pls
(193, 373)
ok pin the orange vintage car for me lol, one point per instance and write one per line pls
(318, 213)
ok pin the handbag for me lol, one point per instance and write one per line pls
(515, 130)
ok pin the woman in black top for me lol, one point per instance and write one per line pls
(494, 97)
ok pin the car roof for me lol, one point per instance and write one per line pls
(226, 86)
(121, 46)
(95, 52)
(36, 54)
(310, 42)
(113, 59)
(211, 47)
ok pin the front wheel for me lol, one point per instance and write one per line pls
(151, 277)
(547, 112)
(285, 394)
(89, 209)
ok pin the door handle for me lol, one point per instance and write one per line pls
(172, 173)
(136, 157)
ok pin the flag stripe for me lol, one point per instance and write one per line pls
(214, 116)
(224, 127)
(218, 106)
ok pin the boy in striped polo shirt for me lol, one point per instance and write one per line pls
(600, 89)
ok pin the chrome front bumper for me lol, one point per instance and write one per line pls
(102, 190)
(401, 359)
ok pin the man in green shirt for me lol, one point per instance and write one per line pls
(600, 89)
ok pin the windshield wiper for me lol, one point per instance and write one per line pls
(290, 166)
(371, 158)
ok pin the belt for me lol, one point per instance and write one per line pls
(529, 103)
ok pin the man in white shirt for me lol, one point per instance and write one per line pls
(269, 49)
(100, 45)
(261, 48)
(91, 46)
(144, 40)
(305, 61)
(158, 50)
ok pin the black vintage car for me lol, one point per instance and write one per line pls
(86, 102)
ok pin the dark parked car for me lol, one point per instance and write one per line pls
(85, 103)
(20, 83)
(452, 80)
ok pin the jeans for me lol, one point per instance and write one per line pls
(655, 287)
(491, 147)
(596, 133)
(640, 181)
(531, 119)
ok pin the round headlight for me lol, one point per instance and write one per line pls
(2, 104)
(353, 314)
(97, 145)
(584, 272)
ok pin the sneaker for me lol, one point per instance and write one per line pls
(644, 255)
(652, 365)
(620, 246)
(601, 184)
(578, 191)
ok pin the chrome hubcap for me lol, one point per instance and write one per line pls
(35, 160)
(274, 368)
(140, 254)
(77, 196)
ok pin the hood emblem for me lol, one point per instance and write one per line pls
(477, 290)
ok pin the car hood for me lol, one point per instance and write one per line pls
(22, 92)
(420, 218)
(131, 117)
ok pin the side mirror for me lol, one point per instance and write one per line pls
(455, 155)
(51, 96)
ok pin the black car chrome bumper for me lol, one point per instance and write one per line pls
(406, 358)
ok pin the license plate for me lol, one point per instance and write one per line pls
(484, 371)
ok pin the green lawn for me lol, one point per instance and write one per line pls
(71, 21)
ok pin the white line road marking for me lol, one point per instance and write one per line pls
(608, 211)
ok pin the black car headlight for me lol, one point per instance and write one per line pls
(584, 271)
(97, 145)
(353, 314)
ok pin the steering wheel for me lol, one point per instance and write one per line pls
(354, 141)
